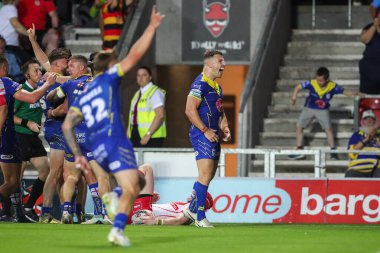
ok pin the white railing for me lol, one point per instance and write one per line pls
(313, 14)
(180, 162)
(269, 157)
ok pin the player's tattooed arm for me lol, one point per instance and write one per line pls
(71, 120)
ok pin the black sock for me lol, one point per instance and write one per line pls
(6, 206)
(37, 189)
(17, 203)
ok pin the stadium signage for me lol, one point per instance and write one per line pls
(339, 204)
(212, 24)
(260, 200)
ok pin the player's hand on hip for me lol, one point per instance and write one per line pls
(226, 134)
(211, 135)
(82, 164)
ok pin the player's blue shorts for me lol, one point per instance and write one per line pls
(114, 153)
(80, 133)
(9, 150)
(204, 149)
(54, 136)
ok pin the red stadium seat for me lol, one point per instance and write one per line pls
(369, 103)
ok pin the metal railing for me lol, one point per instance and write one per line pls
(269, 158)
(313, 14)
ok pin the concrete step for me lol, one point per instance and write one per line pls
(289, 111)
(333, 35)
(289, 84)
(83, 46)
(288, 125)
(317, 63)
(308, 72)
(325, 47)
(284, 98)
(86, 33)
(310, 139)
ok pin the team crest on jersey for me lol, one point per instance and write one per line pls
(219, 104)
(216, 16)
(320, 103)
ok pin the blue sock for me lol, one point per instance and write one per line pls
(121, 220)
(67, 207)
(46, 210)
(193, 201)
(118, 191)
(201, 193)
(98, 205)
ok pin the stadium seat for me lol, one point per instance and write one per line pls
(370, 103)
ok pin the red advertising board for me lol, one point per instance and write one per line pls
(331, 201)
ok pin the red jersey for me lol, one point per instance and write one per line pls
(35, 11)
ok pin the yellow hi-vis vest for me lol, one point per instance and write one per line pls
(146, 114)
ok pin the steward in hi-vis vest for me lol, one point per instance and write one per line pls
(147, 126)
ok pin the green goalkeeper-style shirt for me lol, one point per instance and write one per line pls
(31, 112)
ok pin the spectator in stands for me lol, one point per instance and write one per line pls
(112, 20)
(11, 28)
(366, 139)
(369, 65)
(147, 127)
(27, 119)
(14, 67)
(35, 12)
(317, 104)
(95, 8)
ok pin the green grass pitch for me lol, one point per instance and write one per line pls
(260, 238)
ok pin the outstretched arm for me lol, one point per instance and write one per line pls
(151, 220)
(297, 89)
(34, 96)
(38, 52)
(140, 47)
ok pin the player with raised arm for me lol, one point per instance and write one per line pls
(70, 90)
(99, 105)
(10, 158)
(204, 108)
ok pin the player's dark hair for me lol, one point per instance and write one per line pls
(146, 68)
(323, 71)
(102, 60)
(25, 67)
(80, 58)
(211, 53)
(58, 54)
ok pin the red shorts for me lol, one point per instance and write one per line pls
(142, 203)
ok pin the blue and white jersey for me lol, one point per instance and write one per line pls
(10, 87)
(99, 104)
(319, 98)
(51, 125)
(211, 108)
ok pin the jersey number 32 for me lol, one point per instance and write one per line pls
(98, 106)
